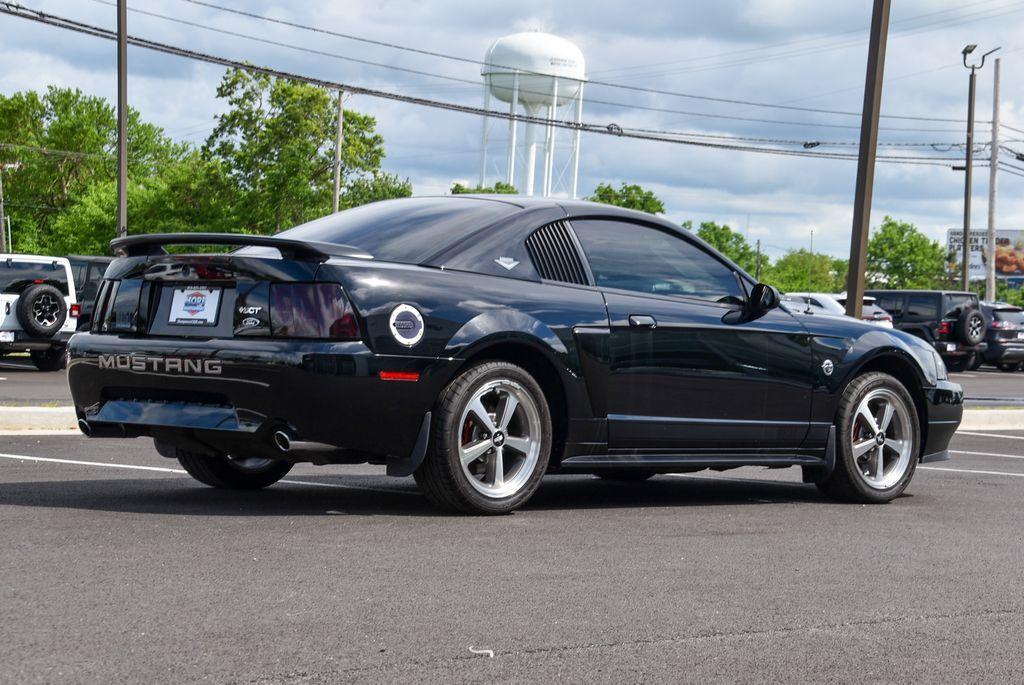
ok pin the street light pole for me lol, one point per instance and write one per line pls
(993, 180)
(965, 267)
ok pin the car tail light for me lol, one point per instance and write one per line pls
(945, 328)
(75, 311)
(1003, 325)
(311, 310)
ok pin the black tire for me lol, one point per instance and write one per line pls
(441, 476)
(1010, 368)
(846, 482)
(53, 359)
(626, 475)
(959, 364)
(223, 472)
(970, 327)
(41, 310)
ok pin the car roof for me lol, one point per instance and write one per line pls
(35, 259)
(921, 292)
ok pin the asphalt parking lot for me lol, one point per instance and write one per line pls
(118, 568)
(21, 384)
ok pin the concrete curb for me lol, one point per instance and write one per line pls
(993, 419)
(64, 419)
(38, 419)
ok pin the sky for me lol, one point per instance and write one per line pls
(803, 53)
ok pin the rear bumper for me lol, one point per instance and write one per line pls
(953, 348)
(945, 410)
(23, 342)
(1004, 352)
(231, 396)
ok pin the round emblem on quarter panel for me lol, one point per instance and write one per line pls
(827, 367)
(406, 324)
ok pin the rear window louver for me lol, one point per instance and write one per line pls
(555, 257)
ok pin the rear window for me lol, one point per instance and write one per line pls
(405, 231)
(954, 302)
(1013, 315)
(15, 276)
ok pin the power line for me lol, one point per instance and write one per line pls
(789, 43)
(475, 62)
(611, 130)
(476, 83)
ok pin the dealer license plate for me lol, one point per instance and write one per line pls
(194, 307)
(950, 347)
(6, 336)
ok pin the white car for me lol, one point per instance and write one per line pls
(38, 308)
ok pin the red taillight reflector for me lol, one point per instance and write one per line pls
(945, 328)
(38, 281)
(75, 311)
(399, 375)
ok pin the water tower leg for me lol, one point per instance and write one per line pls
(510, 175)
(549, 148)
(576, 143)
(531, 153)
(483, 135)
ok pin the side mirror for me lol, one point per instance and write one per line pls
(762, 298)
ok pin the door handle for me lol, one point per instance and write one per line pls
(642, 321)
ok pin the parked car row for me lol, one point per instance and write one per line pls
(963, 330)
(43, 301)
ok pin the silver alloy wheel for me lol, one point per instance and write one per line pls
(250, 464)
(975, 327)
(45, 309)
(499, 438)
(883, 439)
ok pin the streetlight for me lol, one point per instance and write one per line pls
(966, 266)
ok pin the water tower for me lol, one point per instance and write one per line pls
(541, 73)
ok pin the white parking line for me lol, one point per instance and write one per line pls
(160, 469)
(987, 473)
(77, 462)
(992, 435)
(989, 454)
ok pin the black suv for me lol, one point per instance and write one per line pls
(1005, 335)
(88, 272)
(951, 321)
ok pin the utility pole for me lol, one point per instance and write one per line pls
(990, 250)
(122, 118)
(337, 151)
(965, 267)
(757, 274)
(810, 263)
(866, 159)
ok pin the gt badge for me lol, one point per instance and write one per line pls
(406, 324)
(827, 367)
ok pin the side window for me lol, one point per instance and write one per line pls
(922, 307)
(648, 260)
(891, 303)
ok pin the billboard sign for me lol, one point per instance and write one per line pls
(1009, 252)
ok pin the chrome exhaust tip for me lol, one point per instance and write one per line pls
(283, 441)
(84, 426)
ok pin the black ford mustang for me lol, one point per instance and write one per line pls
(478, 343)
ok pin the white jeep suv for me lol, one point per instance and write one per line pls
(38, 308)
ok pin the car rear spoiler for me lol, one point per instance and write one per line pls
(148, 244)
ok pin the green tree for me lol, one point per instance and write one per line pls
(804, 271)
(730, 243)
(499, 188)
(277, 143)
(377, 186)
(629, 195)
(63, 142)
(900, 256)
